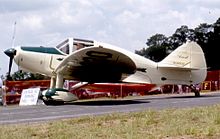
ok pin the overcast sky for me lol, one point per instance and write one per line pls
(125, 23)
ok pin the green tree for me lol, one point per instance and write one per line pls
(157, 48)
(157, 40)
(204, 34)
(157, 53)
(21, 75)
(213, 47)
(180, 36)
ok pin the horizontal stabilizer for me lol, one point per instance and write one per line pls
(170, 67)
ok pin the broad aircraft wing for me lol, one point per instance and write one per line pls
(97, 64)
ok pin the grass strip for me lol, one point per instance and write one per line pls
(187, 123)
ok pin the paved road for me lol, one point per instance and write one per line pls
(40, 113)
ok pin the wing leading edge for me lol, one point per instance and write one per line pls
(97, 64)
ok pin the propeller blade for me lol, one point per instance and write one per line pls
(10, 65)
(10, 53)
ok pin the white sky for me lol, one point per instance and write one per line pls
(125, 23)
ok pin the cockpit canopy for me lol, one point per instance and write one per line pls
(70, 45)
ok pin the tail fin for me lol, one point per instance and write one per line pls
(186, 56)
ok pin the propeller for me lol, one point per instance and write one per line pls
(11, 52)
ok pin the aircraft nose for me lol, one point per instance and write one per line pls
(11, 52)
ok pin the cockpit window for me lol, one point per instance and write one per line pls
(64, 46)
(70, 45)
(65, 49)
(48, 50)
(81, 43)
(78, 46)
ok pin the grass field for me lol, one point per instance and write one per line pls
(187, 123)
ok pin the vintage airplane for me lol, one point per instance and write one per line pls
(90, 61)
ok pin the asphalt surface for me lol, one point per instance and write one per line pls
(41, 113)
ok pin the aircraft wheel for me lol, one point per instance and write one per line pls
(197, 93)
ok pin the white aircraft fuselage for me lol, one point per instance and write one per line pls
(92, 61)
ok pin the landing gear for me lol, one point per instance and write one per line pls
(195, 90)
(57, 96)
(197, 93)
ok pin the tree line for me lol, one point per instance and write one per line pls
(206, 35)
